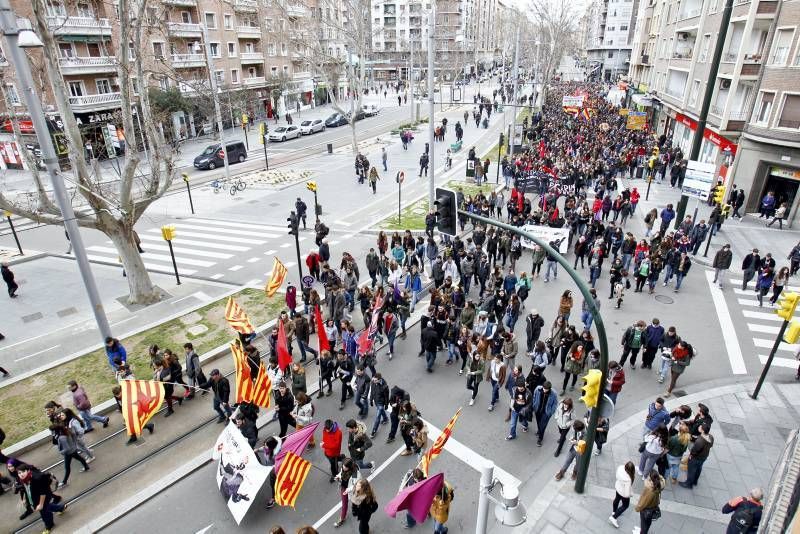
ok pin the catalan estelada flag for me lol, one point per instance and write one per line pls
(438, 445)
(262, 390)
(290, 479)
(244, 382)
(587, 113)
(141, 399)
(237, 318)
(276, 278)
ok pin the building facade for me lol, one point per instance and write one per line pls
(752, 132)
(609, 35)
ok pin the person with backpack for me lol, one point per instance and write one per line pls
(632, 341)
(440, 508)
(746, 512)
(682, 355)
(577, 448)
(358, 442)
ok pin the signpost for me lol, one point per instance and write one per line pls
(699, 180)
(264, 130)
(636, 120)
(399, 179)
(168, 233)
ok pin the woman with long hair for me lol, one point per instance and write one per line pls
(65, 440)
(77, 426)
(648, 505)
(624, 488)
(364, 504)
(655, 443)
(676, 446)
(564, 417)
(778, 283)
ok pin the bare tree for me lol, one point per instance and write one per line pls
(556, 23)
(114, 213)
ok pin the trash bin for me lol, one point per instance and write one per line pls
(330, 148)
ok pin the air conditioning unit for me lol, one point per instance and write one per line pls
(725, 84)
(682, 36)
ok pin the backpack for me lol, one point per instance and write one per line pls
(744, 517)
(648, 218)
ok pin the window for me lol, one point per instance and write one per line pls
(12, 95)
(790, 114)
(623, 28)
(163, 83)
(694, 93)
(283, 49)
(764, 109)
(227, 21)
(214, 49)
(274, 71)
(251, 72)
(66, 50)
(249, 48)
(211, 21)
(75, 88)
(610, 54)
(705, 45)
(93, 49)
(219, 75)
(780, 48)
(271, 49)
(270, 25)
(286, 70)
(84, 10)
(56, 9)
(186, 17)
(232, 49)
(158, 50)
(234, 75)
(103, 86)
(131, 51)
(135, 85)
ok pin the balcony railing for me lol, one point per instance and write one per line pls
(183, 3)
(255, 80)
(740, 2)
(690, 14)
(296, 10)
(766, 7)
(250, 57)
(188, 60)
(682, 55)
(184, 29)
(245, 6)
(740, 115)
(92, 102)
(249, 31)
(717, 110)
(729, 57)
(79, 25)
(87, 65)
(645, 59)
(194, 86)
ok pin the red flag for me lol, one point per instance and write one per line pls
(284, 358)
(364, 342)
(322, 337)
(141, 399)
(262, 389)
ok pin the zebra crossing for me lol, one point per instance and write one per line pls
(21, 224)
(203, 247)
(763, 324)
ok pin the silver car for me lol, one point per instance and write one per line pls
(312, 126)
(282, 133)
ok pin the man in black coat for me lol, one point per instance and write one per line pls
(37, 491)
(222, 393)
(750, 266)
(430, 344)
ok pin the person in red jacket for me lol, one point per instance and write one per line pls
(313, 262)
(635, 196)
(332, 446)
(615, 380)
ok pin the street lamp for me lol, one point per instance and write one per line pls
(16, 40)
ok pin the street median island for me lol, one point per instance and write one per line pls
(206, 328)
(413, 215)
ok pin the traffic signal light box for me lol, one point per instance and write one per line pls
(591, 387)
(446, 211)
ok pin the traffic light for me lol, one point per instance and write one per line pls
(656, 151)
(294, 224)
(185, 177)
(792, 332)
(446, 211)
(502, 140)
(591, 389)
(168, 232)
(719, 195)
(311, 186)
(786, 305)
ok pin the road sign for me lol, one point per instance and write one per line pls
(400, 177)
(699, 179)
(308, 281)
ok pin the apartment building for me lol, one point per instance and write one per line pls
(465, 36)
(259, 57)
(754, 120)
(609, 33)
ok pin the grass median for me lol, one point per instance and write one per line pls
(412, 217)
(23, 402)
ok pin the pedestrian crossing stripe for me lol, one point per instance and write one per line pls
(768, 343)
(207, 236)
(181, 250)
(231, 224)
(221, 230)
(764, 329)
(751, 288)
(779, 362)
(156, 257)
(180, 240)
(149, 266)
(765, 316)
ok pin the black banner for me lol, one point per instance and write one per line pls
(539, 182)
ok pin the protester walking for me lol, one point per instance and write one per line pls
(84, 407)
(649, 501)
(623, 487)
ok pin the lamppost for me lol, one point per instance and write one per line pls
(188, 190)
(16, 40)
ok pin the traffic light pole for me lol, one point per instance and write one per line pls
(771, 356)
(499, 150)
(189, 191)
(583, 287)
(294, 229)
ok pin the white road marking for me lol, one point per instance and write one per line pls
(148, 266)
(289, 264)
(35, 353)
(779, 362)
(738, 283)
(285, 245)
(226, 238)
(205, 529)
(216, 276)
(125, 320)
(334, 242)
(156, 257)
(731, 341)
(762, 315)
(764, 329)
(179, 240)
(223, 231)
(253, 282)
(768, 343)
(235, 268)
(181, 250)
(231, 224)
(343, 223)
(267, 253)
(253, 260)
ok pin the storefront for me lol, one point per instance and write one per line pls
(712, 149)
(784, 182)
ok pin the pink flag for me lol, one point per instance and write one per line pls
(416, 499)
(295, 442)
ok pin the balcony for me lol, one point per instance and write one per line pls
(249, 58)
(245, 6)
(248, 32)
(94, 102)
(188, 61)
(767, 7)
(87, 65)
(717, 110)
(690, 13)
(751, 65)
(61, 25)
(729, 57)
(181, 3)
(184, 29)
(296, 11)
(255, 81)
(682, 54)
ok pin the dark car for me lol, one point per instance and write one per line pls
(212, 156)
(337, 119)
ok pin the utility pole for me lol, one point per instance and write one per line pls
(697, 140)
(215, 97)
(410, 87)
(8, 25)
(513, 136)
(431, 163)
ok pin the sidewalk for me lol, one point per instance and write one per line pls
(749, 439)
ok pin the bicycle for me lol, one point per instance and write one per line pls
(217, 185)
(239, 185)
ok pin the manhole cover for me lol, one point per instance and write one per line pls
(733, 431)
(663, 299)
(66, 311)
(32, 317)
(198, 329)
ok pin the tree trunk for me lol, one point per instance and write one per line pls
(141, 289)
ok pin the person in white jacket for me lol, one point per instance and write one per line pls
(451, 270)
(624, 486)
(304, 414)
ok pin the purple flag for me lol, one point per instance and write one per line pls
(416, 499)
(396, 292)
(295, 442)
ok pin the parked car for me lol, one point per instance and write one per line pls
(337, 119)
(309, 127)
(370, 110)
(282, 133)
(213, 156)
